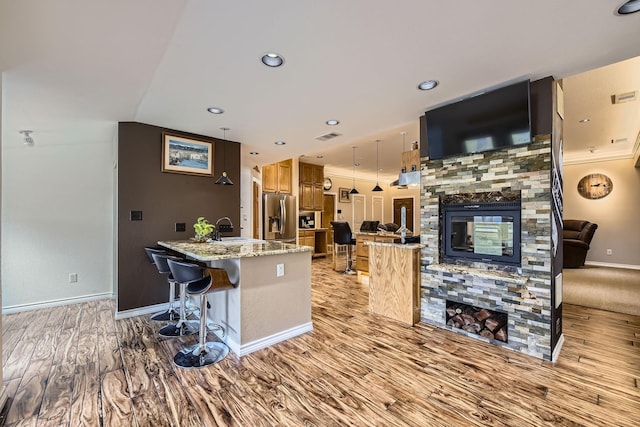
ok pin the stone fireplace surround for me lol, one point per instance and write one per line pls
(524, 292)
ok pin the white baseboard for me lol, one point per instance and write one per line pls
(556, 351)
(612, 265)
(243, 350)
(55, 303)
(142, 311)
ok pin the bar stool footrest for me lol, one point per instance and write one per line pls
(172, 314)
(214, 352)
(187, 328)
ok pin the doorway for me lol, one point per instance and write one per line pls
(359, 212)
(398, 204)
(328, 215)
(256, 211)
(377, 209)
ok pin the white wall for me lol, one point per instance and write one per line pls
(617, 215)
(57, 219)
(364, 187)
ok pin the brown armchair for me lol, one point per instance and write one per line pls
(576, 236)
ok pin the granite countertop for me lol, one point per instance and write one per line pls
(237, 248)
(396, 245)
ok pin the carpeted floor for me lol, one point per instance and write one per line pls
(605, 288)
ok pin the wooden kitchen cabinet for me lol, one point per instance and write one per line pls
(316, 238)
(307, 238)
(277, 177)
(362, 252)
(311, 187)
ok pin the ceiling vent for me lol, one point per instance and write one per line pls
(624, 97)
(328, 136)
(618, 141)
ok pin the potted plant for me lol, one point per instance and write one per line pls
(203, 229)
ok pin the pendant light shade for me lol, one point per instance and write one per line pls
(377, 187)
(353, 188)
(224, 179)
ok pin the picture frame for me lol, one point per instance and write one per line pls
(188, 156)
(343, 195)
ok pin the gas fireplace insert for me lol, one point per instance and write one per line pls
(485, 232)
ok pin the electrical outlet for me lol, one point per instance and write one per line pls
(135, 215)
(180, 227)
(73, 277)
(609, 252)
(280, 270)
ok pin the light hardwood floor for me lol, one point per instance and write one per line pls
(76, 366)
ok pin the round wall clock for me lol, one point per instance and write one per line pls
(595, 186)
(327, 184)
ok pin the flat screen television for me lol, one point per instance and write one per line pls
(490, 121)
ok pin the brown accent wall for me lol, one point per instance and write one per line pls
(164, 199)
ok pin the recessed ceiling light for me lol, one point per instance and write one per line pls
(333, 122)
(280, 143)
(631, 6)
(254, 153)
(272, 60)
(584, 120)
(428, 84)
(215, 110)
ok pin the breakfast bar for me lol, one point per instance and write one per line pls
(271, 298)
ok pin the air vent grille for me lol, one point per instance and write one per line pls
(328, 136)
(625, 97)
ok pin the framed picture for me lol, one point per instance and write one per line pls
(186, 155)
(343, 197)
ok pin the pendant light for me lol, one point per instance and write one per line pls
(353, 188)
(224, 179)
(377, 187)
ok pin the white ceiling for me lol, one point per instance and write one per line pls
(73, 69)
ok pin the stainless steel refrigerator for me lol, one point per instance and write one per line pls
(279, 219)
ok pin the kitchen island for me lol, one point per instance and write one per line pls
(271, 300)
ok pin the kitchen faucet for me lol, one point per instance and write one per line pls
(403, 224)
(216, 233)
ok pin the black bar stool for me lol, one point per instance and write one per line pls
(183, 327)
(203, 353)
(342, 236)
(171, 313)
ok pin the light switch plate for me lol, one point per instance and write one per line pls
(280, 270)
